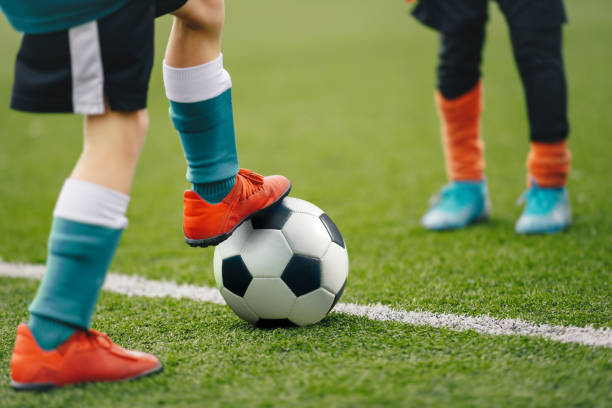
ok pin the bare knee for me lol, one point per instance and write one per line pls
(121, 134)
(112, 144)
(202, 15)
(139, 124)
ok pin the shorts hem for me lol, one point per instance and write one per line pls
(167, 7)
(40, 105)
(126, 103)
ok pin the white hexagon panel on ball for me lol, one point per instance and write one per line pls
(306, 235)
(269, 298)
(266, 253)
(312, 307)
(334, 268)
(238, 306)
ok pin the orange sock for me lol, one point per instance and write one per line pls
(463, 148)
(548, 164)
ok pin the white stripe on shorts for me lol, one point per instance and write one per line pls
(87, 70)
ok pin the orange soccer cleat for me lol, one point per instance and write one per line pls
(87, 356)
(206, 224)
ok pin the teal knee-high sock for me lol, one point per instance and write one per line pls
(78, 257)
(201, 111)
(206, 129)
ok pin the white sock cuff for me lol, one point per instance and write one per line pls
(90, 203)
(198, 83)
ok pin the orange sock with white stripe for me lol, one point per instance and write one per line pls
(548, 164)
(463, 147)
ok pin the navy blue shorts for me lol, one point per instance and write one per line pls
(452, 15)
(75, 70)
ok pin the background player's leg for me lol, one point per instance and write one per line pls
(538, 54)
(539, 58)
(89, 218)
(199, 89)
(459, 100)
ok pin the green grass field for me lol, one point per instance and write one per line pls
(338, 96)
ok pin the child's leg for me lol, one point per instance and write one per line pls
(111, 148)
(195, 38)
(199, 90)
(538, 54)
(100, 69)
(88, 220)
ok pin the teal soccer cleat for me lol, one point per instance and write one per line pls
(458, 204)
(547, 211)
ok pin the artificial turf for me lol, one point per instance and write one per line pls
(338, 96)
(214, 359)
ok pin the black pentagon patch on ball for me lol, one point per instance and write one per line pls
(337, 298)
(302, 274)
(236, 276)
(272, 218)
(274, 323)
(334, 232)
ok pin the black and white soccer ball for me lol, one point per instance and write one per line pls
(287, 265)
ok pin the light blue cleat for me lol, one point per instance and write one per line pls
(458, 204)
(547, 211)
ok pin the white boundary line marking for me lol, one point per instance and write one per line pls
(138, 286)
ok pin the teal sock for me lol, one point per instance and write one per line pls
(78, 257)
(206, 130)
(215, 192)
(49, 333)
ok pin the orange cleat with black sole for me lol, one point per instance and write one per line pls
(206, 224)
(87, 356)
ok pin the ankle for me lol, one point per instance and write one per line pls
(216, 191)
(49, 333)
(548, 164)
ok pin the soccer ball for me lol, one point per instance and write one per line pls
(286, 265)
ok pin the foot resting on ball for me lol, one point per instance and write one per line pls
(458, 204)
(206, 224)
(87, 356)
(547, 211)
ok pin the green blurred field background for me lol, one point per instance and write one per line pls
(338, 96)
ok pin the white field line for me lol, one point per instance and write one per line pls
(137, 286)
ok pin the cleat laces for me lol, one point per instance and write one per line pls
(253, 183)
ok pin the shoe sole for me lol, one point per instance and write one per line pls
(214, 241)
(43, 387)
(550, 231)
